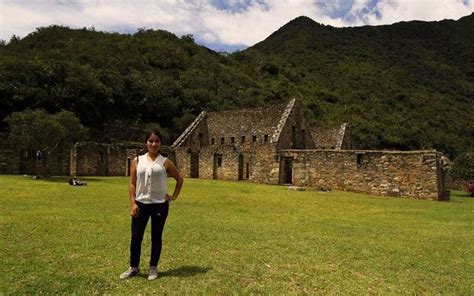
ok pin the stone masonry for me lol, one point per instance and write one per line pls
(276, 146)
(96, 159)
(392, 173)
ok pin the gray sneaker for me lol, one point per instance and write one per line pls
(153, 274)
(132, 271)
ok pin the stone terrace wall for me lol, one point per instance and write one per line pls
(415, 174)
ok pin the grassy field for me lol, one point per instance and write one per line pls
(234, 238)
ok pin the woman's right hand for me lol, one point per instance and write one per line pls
(134, 210)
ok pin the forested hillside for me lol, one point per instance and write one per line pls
(408, 85)
(405, 86)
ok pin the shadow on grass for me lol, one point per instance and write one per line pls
(63, 179)
(184, 271)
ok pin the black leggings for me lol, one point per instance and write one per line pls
(158, 213)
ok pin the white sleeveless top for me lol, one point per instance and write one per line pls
(151, 180)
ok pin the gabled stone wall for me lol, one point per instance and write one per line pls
(295, 134)
(253, 124)
(233, 136)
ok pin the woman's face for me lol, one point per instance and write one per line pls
(153, 144)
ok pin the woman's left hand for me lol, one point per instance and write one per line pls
(169, 197)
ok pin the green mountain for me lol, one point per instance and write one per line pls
(409, 85)
(151, 76)
(405, 86)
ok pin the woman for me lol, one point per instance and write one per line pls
(149, 198)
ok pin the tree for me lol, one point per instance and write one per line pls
(43, 132)
(463, 166)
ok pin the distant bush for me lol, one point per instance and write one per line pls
(463, 166)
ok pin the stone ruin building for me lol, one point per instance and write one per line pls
(276, 146)
(83, 159)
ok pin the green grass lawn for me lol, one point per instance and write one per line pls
(234, 238)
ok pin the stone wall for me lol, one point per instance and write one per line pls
(233, 136)
(90, 159)
(256, 125)
(229, 155)
(96, 159)
(22, 161)
(416, 174)
(57, 162)
(9, 159)
(210, 167)
(183, 161)
(295, 134)
(265, 165)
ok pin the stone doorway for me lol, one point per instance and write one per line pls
(241, 167)
(194, 167)
(217, 163)
(286, 170)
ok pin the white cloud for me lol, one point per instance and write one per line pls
(256, 22)
(230, 22)
(392, 11)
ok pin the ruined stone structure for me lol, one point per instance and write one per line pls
(331, 138)
(276, 146)
(15, 160)
(96, 159)
(83, 159)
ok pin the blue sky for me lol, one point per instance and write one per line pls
(222, 25)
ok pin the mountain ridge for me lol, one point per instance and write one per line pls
(404, 86)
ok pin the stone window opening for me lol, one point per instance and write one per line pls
(265, 138)
(222, 141)
(212, 141)
(243, 139)
(254, 139)
(360, 159)
(232, 140)
(293, 137)
(201, 139)
(219, 160)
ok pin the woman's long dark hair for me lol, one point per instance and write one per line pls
(156, 133)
